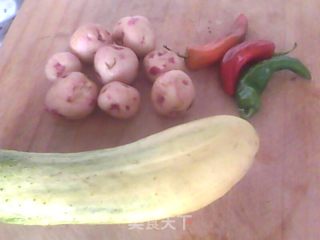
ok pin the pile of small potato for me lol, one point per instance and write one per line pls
(115, 58)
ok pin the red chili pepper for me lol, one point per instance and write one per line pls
(237, 57)
(204, 55)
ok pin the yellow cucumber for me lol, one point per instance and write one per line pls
(174, 172)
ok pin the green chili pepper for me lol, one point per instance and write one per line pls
(256, 79)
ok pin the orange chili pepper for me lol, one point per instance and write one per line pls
(201, 56)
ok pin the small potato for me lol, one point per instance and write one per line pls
(73, 98)
(172, 93)
(61, 65)
(135, 33)
(161, 61)
(88, 39)
(119, 100)
(116, 63)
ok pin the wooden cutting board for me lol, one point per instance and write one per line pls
(278, 199)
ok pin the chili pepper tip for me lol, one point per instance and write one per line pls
(246, 113)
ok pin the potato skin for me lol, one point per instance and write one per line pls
(87, 39)
(136, 33)
(73, 97)
(172, 93)
(161, 61)
(61, 65)
(116, 63)
(119, 100)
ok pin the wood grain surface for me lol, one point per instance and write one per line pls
(279, 197)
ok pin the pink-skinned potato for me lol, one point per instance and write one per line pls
(136, 33)
(119, 100)
(61, 65)
(161, 61)
(74, 97)
(172, 93)
(87, 39)
(116, 63)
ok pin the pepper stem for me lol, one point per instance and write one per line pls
(286, 52)
(178, 54)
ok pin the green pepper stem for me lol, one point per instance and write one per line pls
(286, 52)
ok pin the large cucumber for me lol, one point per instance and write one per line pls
(170, 173)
